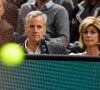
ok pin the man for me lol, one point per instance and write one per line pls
(35, 28)
(57, 24)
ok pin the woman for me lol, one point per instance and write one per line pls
(81, 11)
(6, 30)
(89, 30)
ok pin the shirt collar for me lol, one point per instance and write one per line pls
(45, 6)
(30, 51)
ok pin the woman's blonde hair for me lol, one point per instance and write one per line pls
(84, 25)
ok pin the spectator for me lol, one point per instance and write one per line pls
(68, 4)
(89, 30)
(82, 10)
(35, 28)
(6, 30)
(57, 24)
(11, 14)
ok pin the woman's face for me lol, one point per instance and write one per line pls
(1, 8)
(90, 36)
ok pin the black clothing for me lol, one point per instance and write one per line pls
(48, 47)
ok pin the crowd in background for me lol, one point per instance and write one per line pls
(64, 24)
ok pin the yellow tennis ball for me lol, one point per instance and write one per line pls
(12, 54)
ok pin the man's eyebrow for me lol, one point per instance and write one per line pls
(31, 25)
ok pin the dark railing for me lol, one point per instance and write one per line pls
(52, 72)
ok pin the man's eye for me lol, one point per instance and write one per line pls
(31, 26)
(39, 26)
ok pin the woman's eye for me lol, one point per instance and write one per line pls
(85, 32)
(92, 32)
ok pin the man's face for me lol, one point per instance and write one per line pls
(35, 28)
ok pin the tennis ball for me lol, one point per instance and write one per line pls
(12, 54)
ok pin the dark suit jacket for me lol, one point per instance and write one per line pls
(48, 47)
(6, 32)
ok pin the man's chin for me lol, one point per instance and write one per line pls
(36, 40)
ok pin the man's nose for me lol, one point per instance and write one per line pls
(35, 29)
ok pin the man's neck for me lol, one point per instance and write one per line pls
(32, 46)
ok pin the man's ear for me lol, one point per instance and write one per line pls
(45, 31)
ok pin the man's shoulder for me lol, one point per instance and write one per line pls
(27, 4)
(53, 43)
(57, 6)
(58, 10)
(57, 47)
